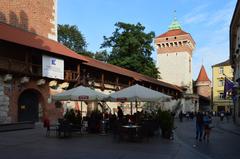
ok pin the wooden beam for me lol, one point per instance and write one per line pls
(78, 73)
(84, 77)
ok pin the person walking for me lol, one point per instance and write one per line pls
(199, 126)
(180, 116)
(120, 114)
(207, 128)
(221, 115)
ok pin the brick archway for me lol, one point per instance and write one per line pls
(29, 105)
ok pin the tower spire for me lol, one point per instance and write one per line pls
(175, 24)
(175, 14)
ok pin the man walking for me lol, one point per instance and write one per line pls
(199, 126)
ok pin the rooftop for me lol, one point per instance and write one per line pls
(224, 63)
(25, 38)
(202, 75)
(174, 32)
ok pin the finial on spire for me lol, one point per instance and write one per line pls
(175, 14)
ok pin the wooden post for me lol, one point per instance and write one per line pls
(84, 77)
(117, 79)
(27, 63)
(129, 83)
(102, 81)
(78, 73)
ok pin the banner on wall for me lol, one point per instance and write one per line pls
(52, 67)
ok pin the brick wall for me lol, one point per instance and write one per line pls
(37, 16)
(14, 89)
(204, 89)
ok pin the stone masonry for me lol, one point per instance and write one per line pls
(4, 104)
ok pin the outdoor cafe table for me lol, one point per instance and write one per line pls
(132, 131)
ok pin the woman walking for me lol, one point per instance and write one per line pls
(207, 128)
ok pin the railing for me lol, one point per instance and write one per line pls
(21, 67)
(71, 76)
(17, 66)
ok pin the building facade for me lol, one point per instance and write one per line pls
(174, 56)
(203, 90)
(174, 62)
(33, 67)
(203, 84)
(219, 72)
(235, 58)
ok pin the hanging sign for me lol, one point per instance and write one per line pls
(52, 67)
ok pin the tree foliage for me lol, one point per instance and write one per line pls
(71, 37)
(101, 56)
(131, 48)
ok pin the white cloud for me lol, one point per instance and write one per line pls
(213, 35)
(196, 16)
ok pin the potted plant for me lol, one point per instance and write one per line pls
(166, 123)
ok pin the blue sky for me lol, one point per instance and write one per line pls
(207, 20)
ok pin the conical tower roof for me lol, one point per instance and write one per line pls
(202, 75)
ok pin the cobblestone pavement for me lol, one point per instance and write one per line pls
(224, 139)
(34, 144)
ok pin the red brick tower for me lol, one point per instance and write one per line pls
(203, 84)
(37, 16)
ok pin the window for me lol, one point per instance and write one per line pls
(221, 95)
(190, 66)
(221, 83)
(221, 70)
(175, 43)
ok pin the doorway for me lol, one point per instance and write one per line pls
(28, 106)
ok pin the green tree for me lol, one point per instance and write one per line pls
(131, 48)
(71, 37)
(101, 56)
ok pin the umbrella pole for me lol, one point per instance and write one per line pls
(136, 106)
(131, 107)
(81, 108)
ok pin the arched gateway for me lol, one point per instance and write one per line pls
(28, 105)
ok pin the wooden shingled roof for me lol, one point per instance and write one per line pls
(22, 37)
(15, 35)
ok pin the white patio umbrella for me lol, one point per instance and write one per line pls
(80, 93)
(138, 93)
